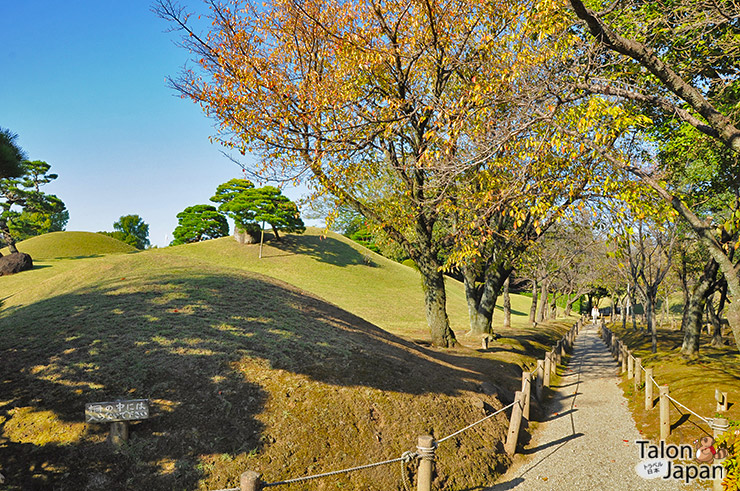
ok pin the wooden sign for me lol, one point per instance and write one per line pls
(110, 412)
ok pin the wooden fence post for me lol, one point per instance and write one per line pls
(638, 374)
(648, 389)
(719, 426)
(425, 446)
(514, 423)
(526, 394)
(548, 370)
(630, 365)
(250, 481)
(665, 416)
(615, 346)
(118, 433)
(540, 379)
(623, 352)
(721, 398)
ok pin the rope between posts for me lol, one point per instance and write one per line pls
(477, 422)
(406, 457)
(692, 412)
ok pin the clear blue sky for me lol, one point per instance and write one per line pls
(82, 82)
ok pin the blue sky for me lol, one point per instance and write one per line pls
(82, 83)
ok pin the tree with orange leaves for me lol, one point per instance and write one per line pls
(371, 100)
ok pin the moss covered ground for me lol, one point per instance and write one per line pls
(692, 382)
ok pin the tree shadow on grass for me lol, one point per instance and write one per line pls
(196, 347)
(324, 249)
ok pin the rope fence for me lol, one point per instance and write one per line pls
(634, 368)
(476, 423)
(427, 446)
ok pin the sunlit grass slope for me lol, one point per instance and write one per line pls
(71, 244)
(279, 364)
(384, 292)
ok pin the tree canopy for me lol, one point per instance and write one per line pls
(25, 210)
(463, 131)
(249, 206)
(379, 105)
(199, 222)
(11, 155)
(674, 61)
(132, 230)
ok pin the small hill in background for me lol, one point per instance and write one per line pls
(301, 362)
(57, 245)
(329, 265)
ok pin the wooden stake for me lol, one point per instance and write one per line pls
(118, 433)
(665, 416)
(425, 445)
(526, 393)
(540, 379)
(514, 423)
(250, 481)
(648, 389)
(638, 373)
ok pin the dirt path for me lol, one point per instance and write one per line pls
(588, 440)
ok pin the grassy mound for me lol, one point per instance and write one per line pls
(245, 371)
(380, 290)
(71, 244)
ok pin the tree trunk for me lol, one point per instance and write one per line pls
(481, 297)
(274, 231)
(650, 317)
(553, 307)
(632, 303)
(716, 324)
(697, 304)
(569, 305)
(717, 340)
(686, 293)
(435, 300)
(543, 302)
(533, 307)
(7, 238)
(692, 332)
(625, 303)
(507, 304)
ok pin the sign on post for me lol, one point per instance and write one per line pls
(111, 412)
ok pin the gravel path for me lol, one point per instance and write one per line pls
(582, 444)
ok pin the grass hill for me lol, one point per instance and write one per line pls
(71, 245)
(301, 362)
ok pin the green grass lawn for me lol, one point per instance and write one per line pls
(304, 361)
(57, 245)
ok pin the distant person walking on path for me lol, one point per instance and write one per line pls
(595, 313)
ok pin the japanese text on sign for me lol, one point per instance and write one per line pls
(109, 412)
